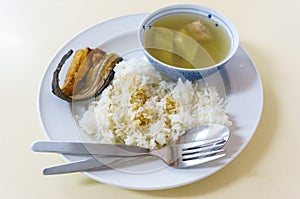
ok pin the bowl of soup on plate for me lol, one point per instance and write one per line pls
(188, 41)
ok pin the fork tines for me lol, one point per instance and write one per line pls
(195, 150)
(186, 157)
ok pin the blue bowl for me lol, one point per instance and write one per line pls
(183, 73)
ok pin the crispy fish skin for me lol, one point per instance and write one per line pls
(55, 80)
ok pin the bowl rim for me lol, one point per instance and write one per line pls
(230, 28)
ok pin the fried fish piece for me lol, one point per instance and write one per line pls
(90, 72)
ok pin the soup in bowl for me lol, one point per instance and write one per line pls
(188, 41)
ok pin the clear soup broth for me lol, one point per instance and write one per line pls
(187, 41)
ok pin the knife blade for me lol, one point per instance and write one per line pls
(79, 148)
(90, 164)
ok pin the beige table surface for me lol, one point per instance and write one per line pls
(32, 31)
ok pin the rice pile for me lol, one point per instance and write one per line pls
(141, 107)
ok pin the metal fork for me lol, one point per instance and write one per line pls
(176, 155)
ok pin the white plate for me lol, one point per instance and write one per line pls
(244, 99)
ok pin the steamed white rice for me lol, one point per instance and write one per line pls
(141, 107)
